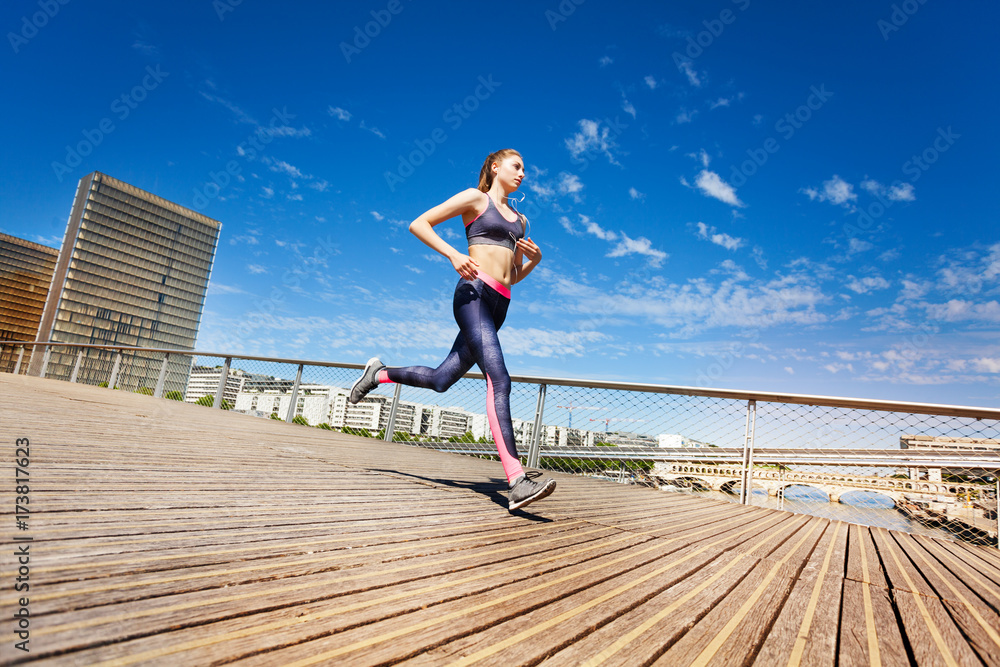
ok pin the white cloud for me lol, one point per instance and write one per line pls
(712, 185)
(605, 61)
(684, 116)
(690, 73)
(895, 192)
(592, 138)
(569, 184)
(592, 227)
(856, 245)
(378, 216)
(628, 107)
(283, 167)
(639, 246)
(721, 102)
(866, 284)
(256, 268)
(650, 81)
(728, 242)
(545, 343)
(295, 197)
(957, 310)
(267, 192)
(836, 191)
(320, 186)
(374, 130)
(635, 194)
(542, 190)
(987, 365)
(339, 113)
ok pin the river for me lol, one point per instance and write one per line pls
(861, 507)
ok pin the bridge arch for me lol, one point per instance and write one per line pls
(868, 492)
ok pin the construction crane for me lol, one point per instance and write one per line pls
(572, 407)
(608, 420)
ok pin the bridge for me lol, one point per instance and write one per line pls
(727, 479)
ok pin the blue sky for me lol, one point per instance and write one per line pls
(782, 196)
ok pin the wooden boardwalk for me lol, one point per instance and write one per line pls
(165, 533)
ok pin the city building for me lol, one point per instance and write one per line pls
(946, 445)
(204, 381)
(133, 270)
(26, 270)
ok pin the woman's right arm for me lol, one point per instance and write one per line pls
(423, 229)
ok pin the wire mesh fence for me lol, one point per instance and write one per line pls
(917, 468)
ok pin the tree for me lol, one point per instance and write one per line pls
(299, 419)
(325, 426)
(175, 396)
(274, 415)
(209, 400)
(148, 391)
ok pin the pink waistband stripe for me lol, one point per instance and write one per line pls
(494, 283)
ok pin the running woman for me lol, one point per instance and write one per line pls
(499, 256)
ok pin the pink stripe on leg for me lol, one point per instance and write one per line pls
(511, 465)
(382, 376)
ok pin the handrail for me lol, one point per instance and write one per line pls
(974, 412)
(879, 458)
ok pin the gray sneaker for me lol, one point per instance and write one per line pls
(367, 381)
(527, 491)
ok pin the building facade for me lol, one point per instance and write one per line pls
(26, 270)
(133, 270)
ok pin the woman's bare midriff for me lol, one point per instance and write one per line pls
(495, 260)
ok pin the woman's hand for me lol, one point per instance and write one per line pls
(530, 251)
(465, 265)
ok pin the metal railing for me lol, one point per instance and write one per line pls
(909, 466)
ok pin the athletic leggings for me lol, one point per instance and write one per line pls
(480, 308)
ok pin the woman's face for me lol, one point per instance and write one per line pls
(510, 172)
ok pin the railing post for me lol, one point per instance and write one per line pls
(47, 352)
(76, 366)
(391, 426)
(114, 370)
(162, 379)
(290, 415)
(997, 474)
(223, 379)
(536, 428)
(20, 356)
(747, 472)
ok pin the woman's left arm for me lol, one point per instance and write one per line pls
(526, 257)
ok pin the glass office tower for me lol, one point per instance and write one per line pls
(26, 270)
(133, 270)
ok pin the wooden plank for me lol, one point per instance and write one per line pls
(644, 633)
(869, 632)
(805, 632)
(930, 631)
(862, 559)
(977, 619)
(357, 596)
